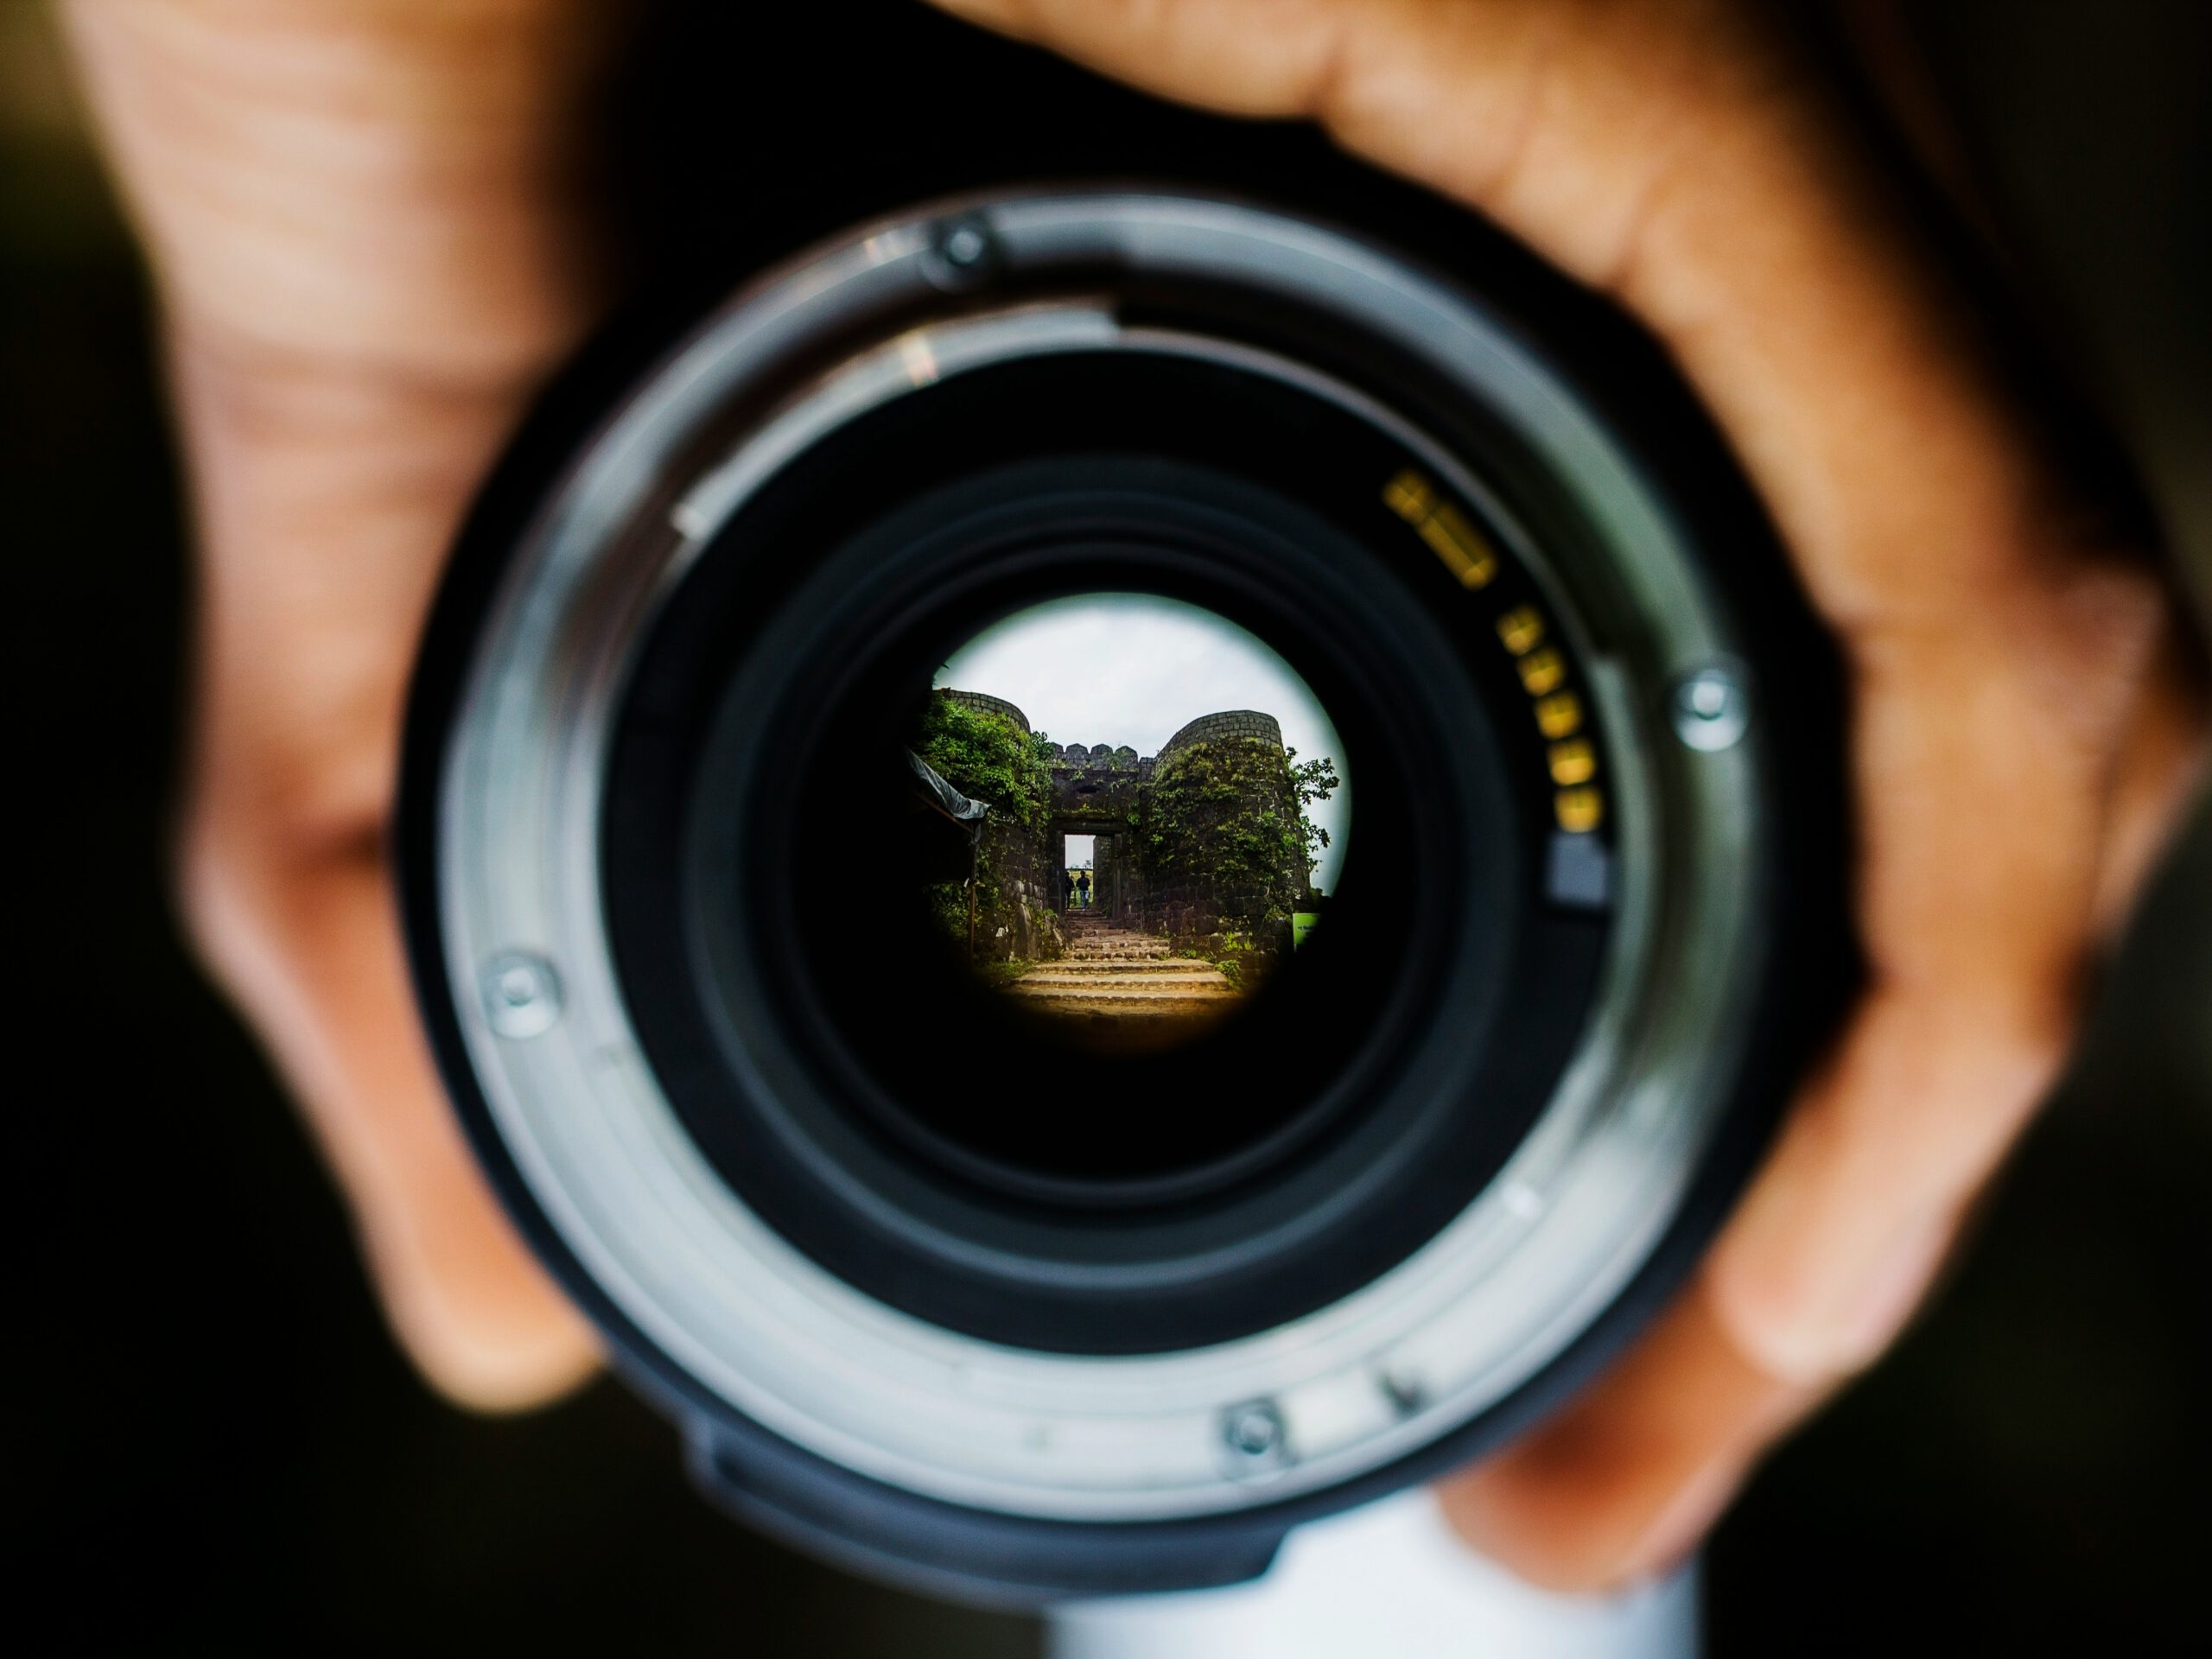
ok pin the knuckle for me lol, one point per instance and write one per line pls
(2093, 619)
(1543, 1526)
(212, 877)
(243, 862)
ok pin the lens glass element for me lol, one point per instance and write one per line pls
(1131, 892)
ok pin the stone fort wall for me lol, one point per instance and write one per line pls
(990, 705)
(1157, 864)
(1236, 722)
(1020, 914)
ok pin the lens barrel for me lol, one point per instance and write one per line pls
(929, 1287)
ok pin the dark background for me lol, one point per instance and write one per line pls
(215, 1444)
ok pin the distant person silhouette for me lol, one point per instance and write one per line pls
(1067, 889)
(1082, 889)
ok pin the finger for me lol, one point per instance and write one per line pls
(1848, 1224)
(2161, 773)
(1681, 157)
(308, 947)
(363, 185)
(370, 244)
(1623, 1482)
(1987, 760)
(285, 883)
(1555, 117)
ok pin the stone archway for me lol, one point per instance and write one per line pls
(1111, 896)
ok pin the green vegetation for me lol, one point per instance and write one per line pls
(1312, 781)
(1231, 813)
(1228, 817)
(988, 758)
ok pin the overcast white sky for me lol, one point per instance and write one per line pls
(1129, 668)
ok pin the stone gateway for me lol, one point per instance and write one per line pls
(1200, 852)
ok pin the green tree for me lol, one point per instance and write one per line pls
(988, 758)
(1312, 781)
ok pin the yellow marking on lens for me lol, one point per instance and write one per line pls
(1541, 671)
(1522, 628)
(1460, 545)
(1579, 809)
(1465, 553)
(1559, 715)
(1573, 762)
(1410, 497)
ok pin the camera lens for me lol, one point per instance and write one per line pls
(1090, 816)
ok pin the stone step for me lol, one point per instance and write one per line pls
(1112, 984)
(1109, 990)
(1057, 982)
(1119, 1003)
(1125, 989)
(1107, 967)
(1123, 965)
(1130, 964)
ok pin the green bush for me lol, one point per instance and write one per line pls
(988, 758)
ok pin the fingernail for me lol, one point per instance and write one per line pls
(1811, 1333)
(1877, 1308)
(1682, 1525)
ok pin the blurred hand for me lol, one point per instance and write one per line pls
(368, 250)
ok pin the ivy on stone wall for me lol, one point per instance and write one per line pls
(991, 759)
(1215, 837)
(988, 758)
(1225, 812)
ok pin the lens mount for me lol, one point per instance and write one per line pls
(1532, 1079)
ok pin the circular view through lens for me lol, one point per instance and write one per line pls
(1152, 810)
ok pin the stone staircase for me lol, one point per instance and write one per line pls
(1126, 985)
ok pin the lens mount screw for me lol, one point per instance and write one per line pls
(1257, 1438)
(522, 994)
(1710, 709)
(963, 252)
